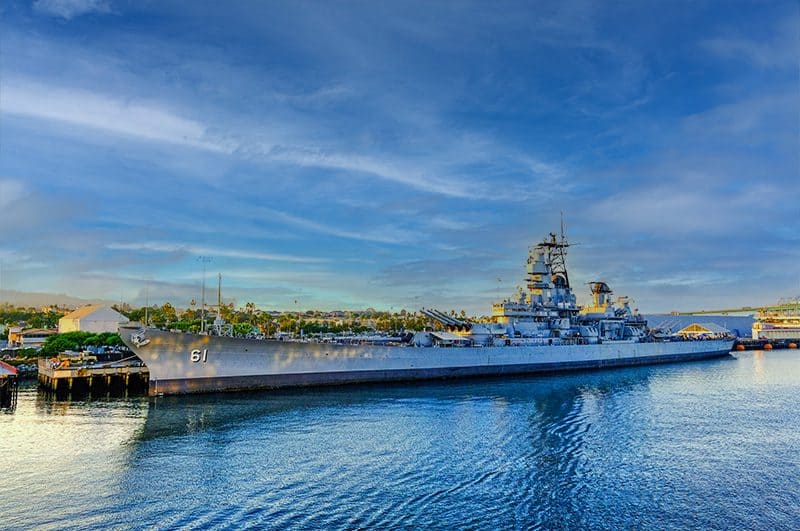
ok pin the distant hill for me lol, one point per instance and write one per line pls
(23, 298)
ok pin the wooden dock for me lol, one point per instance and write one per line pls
(93, 379)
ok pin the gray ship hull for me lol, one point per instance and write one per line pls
(190, 363)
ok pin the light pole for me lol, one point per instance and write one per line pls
(205, 260)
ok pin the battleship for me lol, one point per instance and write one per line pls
(541, 329)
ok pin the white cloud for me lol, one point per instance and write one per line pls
(439, 175)
(68, 9)
(10, 191)
(167, 247)
(105, 113)
(779, 50)
(694, 278)
(362, 164)
(446, 223)
(156, 122)
(764, 114)
(276, 276)
(383, 234)
(676, 207)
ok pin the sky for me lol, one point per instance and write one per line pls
(345, 155)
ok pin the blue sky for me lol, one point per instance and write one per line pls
(399, 154)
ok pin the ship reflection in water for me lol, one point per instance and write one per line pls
(704, 444)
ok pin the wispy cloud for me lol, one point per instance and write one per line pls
(145, 121)
(410, 177)
(773, 115)
(158, 122)
(697, 279)
(384, 234)
(289, 276)
(166, 247)
(447, 223)
(781, 49)
(10, 191)
(68, 9)
(684, 205)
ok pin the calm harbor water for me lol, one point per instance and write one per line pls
(712, 444)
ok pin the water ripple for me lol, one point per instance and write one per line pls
(696, 445)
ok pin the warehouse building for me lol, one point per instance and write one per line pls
(96, 319)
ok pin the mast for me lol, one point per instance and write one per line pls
(561, 254)
(204, 260)
(219, 295)
(556, 251)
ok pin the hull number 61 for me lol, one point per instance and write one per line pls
(199, 355)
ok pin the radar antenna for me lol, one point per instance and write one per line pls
(556, 249)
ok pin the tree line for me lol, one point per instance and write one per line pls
(248, 319)
(32, 317)
(78, 341)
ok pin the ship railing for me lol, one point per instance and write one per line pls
(544, 341)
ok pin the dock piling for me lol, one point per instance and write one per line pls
(113, 380)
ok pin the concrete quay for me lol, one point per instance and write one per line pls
(765, 344)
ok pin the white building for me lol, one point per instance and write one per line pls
(695, 330)
(30, 338)
(95, 319)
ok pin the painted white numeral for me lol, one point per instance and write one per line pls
(195, 355)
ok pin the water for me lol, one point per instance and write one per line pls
(712, 444)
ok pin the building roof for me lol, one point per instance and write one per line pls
(82, 312)
(7, 370)
(40, 331)
(738, 325)
(85, 311)
(708, 328)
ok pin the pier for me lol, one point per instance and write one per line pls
(745, 343)
(93, 379)
(9, 385)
